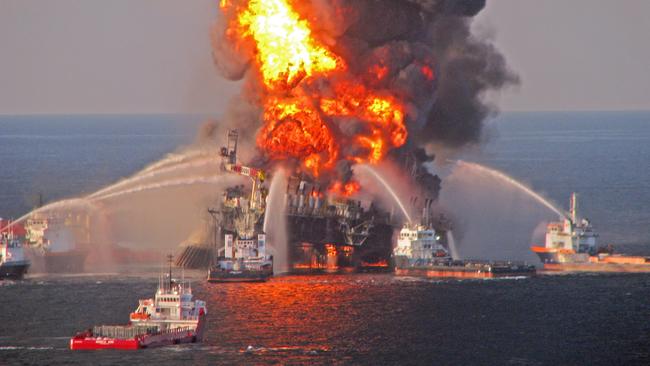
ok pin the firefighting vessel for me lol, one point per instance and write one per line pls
(571, 245)
(327, 232)
(421, 251)
(13, 264)
(243, 257)
(171, 317)
(55, 241)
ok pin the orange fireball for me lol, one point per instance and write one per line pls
(294, 129)
(295, 68)
(384, 116)
(286, 50)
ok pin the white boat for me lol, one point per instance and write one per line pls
(13, 264)
(172, 316)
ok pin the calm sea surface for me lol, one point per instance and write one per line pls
(603, 156)
(356, 319)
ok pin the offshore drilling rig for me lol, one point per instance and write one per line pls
(325, 232)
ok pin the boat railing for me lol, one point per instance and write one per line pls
(128, 332)
(471, 263)
(123, 332)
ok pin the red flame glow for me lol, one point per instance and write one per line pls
(306, 125)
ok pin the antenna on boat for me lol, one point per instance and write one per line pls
(170, 259)
(183, 277)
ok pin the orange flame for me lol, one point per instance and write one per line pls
(294, 129)
(427, 71)
(299, 122)
(348, 189)
(385, 117)
(379, 71)
(286, 50)
(382, 264)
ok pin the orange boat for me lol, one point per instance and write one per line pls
(570, 245)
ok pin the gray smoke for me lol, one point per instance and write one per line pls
(403, 37)
(469, 66)
(420, 51)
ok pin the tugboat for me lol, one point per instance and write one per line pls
(421, 253)
(13, 264)
(571, 245)
(243, 257)
(171, 317)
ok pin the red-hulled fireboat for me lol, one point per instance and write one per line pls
(171, 317)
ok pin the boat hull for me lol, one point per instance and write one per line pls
(72, 261)
(597, 267)
(148, 341)
(65, 262)
(224, 276)
(89, 342)
(460, 272)
(558, 260)
(13, 270)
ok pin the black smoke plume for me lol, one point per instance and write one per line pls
(428, 56)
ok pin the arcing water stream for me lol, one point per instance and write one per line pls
(172, 163)
(373, 173)
(178, 158)
(214, 179)
(149, 174)
(63, 204)
(511, 181)
(495, 216)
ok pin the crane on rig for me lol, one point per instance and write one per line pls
(229, 164)
(243, 256)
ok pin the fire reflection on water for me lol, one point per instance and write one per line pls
(295, 314)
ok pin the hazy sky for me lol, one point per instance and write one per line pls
(574, 54)
(153, 56)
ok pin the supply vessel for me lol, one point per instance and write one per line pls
(571, 245)
(13, 264)
(424, 251)
(172, 316)
(243, 257)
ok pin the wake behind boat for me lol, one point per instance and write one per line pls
(171, 317)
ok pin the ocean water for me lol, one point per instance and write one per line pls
(64, 156)
(587, 319)
(347, 320)
(603, 156)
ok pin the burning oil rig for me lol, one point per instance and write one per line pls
(330, 233)
(325, 232)
(338, 84)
